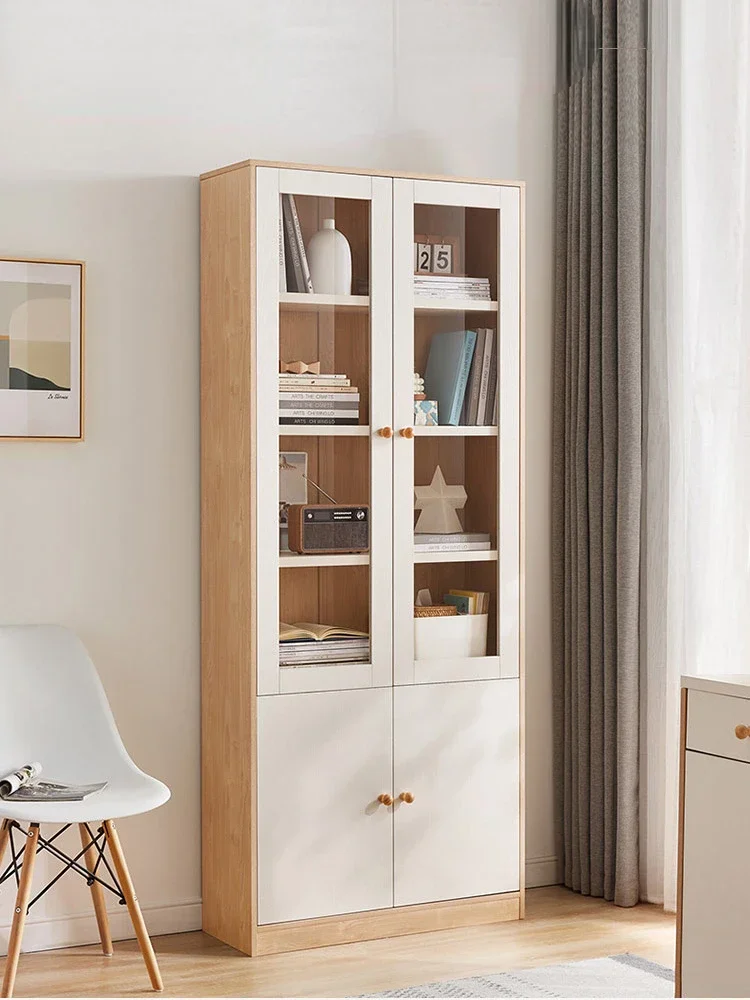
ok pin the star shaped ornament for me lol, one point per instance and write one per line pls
(439, 503)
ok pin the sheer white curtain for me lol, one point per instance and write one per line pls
(696, 614)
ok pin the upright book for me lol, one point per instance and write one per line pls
(447, 372)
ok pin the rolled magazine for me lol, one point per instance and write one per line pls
(24, 785)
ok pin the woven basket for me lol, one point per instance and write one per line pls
(435, 611)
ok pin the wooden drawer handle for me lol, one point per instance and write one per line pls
(385, 799)
(407, 432)
(385, 432)
(742, 732)
(406, 797)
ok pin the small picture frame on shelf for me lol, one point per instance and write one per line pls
(436, 254)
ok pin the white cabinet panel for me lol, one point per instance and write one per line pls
(716, 877)
(324, 842)
(456, 751)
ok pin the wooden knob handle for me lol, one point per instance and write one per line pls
(742, 732)
(407, 432)
(406, 797)
(385, 432)
(385, 799)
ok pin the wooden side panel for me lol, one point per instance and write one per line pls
(680, 843)
(227, 564)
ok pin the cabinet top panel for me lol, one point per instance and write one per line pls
(358, 170)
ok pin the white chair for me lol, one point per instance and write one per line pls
(53, 709)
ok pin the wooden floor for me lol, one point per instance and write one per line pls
(560, 927)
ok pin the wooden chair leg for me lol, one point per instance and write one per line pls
(4, 837)
(97, 894)
(134, 909)
(19, 917)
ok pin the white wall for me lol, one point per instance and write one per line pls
(109, 113)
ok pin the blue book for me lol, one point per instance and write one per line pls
(447, 372)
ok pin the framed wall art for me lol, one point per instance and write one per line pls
(41, 349)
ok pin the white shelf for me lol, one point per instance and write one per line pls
(486, 555)
(303, 302)
(425, 304)
(471, 668)
(336, 559)
(324, 430)
(449, 431)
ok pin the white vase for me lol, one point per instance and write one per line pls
(330, 259)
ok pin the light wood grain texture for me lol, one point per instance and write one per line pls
(387, 923)
(680, 843)
(134, 909)
(19, 914)
(561, 926)
(97, 893)
(522, 557)
(228, 571)
(282, 165)
(4, 835)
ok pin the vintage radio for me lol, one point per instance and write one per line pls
(326, 527)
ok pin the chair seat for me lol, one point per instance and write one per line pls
(126, 795)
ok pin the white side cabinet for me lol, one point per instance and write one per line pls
(350, 800)
(713, 958)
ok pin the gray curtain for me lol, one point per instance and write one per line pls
(597, 442)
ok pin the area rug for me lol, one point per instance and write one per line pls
(617, 976)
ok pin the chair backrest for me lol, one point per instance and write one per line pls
(53, 708)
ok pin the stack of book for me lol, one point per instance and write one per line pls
(468, 602)
(308, 643)
(480, 397)
(451, 286)
(459, 541)
(329, 400)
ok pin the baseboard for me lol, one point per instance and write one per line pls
(541, 871)
(65, 932)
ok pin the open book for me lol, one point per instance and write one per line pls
(24, 785)
(312, 630)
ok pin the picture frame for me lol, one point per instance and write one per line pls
(42, 324)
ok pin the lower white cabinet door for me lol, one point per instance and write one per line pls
(716, 877)
(456, 752)
(325, 844)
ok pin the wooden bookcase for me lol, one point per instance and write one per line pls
(298, 851)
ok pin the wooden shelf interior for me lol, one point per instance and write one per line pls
(476, 230)
(338, 338)
(442, 577)
(471, 462)
(335, 595)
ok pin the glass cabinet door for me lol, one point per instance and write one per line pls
(323, 374)
(457, 425)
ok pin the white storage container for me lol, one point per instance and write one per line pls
(450, 637)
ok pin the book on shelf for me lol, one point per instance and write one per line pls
(317, 632)
(485, 377)
(471, 396)
(338, 413)
(447, 372)
(452, 547)
(319, 421)
(490, 414)
(454, 536)
(318, 381)
(319, 407)
(344, 392)
(298, 274)
(282, 253)
(477, 602)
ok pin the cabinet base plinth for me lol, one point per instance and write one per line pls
(393, 922)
